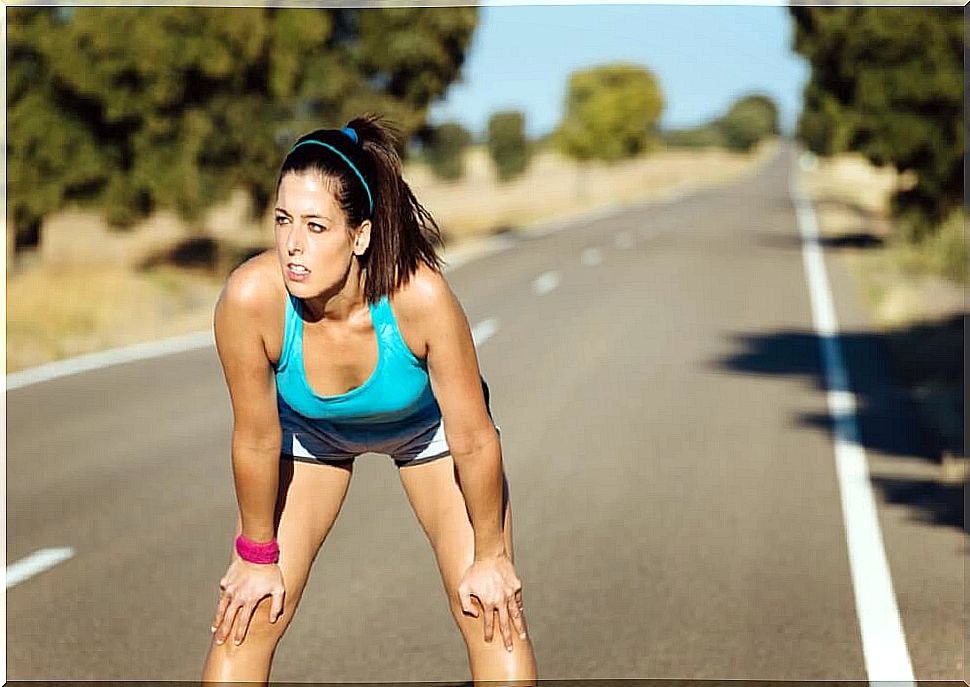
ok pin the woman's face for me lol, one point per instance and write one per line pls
(313, 244)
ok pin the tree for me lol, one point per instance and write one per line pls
(748, 120)
(175, 106)
(611, 112)
(507, 143)
(444, 150)
(888, 82)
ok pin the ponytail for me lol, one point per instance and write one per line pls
(362, 157)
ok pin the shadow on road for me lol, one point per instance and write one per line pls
(917, 414)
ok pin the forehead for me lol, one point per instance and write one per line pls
(307, 193)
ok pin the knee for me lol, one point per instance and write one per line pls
(261, 630)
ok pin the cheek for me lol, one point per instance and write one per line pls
(330, 253)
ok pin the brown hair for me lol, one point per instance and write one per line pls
(403, 232)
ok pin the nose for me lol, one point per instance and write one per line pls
(294, 243)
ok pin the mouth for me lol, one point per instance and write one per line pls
(297, 270)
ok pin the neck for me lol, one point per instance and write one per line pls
(342, 304)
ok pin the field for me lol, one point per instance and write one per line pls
(60, 310)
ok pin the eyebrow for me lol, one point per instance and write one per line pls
(310, 216)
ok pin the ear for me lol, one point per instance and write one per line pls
(362, 238)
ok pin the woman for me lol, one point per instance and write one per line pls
(349, 340)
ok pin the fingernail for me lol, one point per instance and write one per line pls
(508, 648)
(238, 642)
(219, 641)
(522, 635)
(212, 628)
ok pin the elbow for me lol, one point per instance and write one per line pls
(474, 445)
(268, 441)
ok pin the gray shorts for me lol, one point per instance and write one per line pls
(417, 440)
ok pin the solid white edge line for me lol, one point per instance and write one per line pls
(195, 340)
(883, 641)
(456, 258)
(92, 361)
(36, 563)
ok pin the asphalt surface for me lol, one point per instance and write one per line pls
(666, 438)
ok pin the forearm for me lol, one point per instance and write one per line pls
(482, 485)
(256, 475)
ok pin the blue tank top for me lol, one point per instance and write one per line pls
(398, 388)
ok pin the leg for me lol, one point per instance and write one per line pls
(309, 499)
(436, 498)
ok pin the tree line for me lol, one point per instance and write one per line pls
(888, 82)
(177, 106)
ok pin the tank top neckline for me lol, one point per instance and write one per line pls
(357, 390)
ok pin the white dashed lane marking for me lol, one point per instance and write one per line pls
(591, 256)
(36, 563)
(545, 283)
(484, 330)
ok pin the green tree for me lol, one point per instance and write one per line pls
(444, 150)
(705, 135)
(175, 106)
(507, 143)
(611, 112)
(888, 82)
(748, 120)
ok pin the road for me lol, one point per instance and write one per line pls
(678, 511)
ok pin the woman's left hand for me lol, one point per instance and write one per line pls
(494, 583)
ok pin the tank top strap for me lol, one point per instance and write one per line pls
(390, 333)
(291, 332)
(381, 314)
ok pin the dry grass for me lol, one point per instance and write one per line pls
(553, 187)
(67, 311)
(901, 283)
(57, 310)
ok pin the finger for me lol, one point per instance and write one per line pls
(515, 612)
(489, 622)
(226, 625)
(465, 598)
(242, 622)
(220, 611)
(504, 626)
(276, 610)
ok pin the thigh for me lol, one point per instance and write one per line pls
(434, 492)
(308, 502)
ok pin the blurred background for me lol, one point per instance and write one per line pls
(143, 142)
(143, 145)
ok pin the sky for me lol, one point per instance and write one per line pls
(705, 57)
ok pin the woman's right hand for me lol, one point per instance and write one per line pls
(243, 586)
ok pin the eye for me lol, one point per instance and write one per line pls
(316, 227)
(280, 219)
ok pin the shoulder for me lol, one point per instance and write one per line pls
(427, 293)
(422, 307)
(251, 287)
(250, 296)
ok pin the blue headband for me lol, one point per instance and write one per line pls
(350, 133)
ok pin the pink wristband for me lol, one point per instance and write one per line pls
(254, 552)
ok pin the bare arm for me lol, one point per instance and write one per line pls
(471, 435)
(256, 434)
